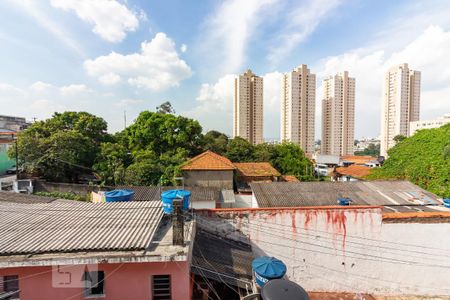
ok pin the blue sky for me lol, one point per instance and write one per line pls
(107, 56)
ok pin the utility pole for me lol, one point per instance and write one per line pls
(17, 158)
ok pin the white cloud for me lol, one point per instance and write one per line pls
(110, 18)
(128, 102)
(228, 30)
(183, 48)
(272, 94)
(301, 22)
(41, 87)
(156, 67)
(74, 89)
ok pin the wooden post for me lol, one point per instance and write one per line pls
(178, 223)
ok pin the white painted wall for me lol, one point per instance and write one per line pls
(345, 249)
(243, 201)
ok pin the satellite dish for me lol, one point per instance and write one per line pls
(277, 289)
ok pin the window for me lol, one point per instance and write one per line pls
(94, 284)
(161, 287)
(10, 286)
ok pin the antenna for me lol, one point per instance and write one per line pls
(124, 119)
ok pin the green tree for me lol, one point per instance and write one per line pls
(289, 159)
(111, 163)
(165, 108)
(240, 150)
(422, 159)
(163, 132)
(372, 150)
(399, 138)
(62, 147)
(264, 152)
(216, 142)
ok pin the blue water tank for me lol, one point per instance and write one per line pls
(167, 198)
(344, 201)
(119, 195)
(447, 202)
(267, 268)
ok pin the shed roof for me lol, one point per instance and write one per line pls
(68, 226)
(294, 194)
(256, 169)
(222, 259)
(290, 178)
(152, 193)
(359, 159)
(328, 159)
(23, 198)
(356, 171)
(208, 161)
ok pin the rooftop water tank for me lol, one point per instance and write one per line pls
(267, 268)
(167, 198)
(283, 289)
(447, 202)
(119, 195)
(344, 201)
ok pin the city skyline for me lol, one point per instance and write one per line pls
(71, 57)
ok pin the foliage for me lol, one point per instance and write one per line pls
(289, 159)
(399, 138)
(162, 132)
(112, 162)
(62, 147)
(62, 195)
(422, 159)
(240, 150)
(165, 108)
(372, 150)
(216, 142)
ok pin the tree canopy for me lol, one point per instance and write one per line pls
(423, 159)
(61, 147)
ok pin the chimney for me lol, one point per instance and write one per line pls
(178, 223)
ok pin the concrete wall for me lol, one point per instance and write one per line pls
(344, 249)
(218, 179)
(79, 189)
(122, 281)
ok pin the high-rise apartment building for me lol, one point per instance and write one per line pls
(248, 107)
(401, 104)
(338, 115)
(298, 106)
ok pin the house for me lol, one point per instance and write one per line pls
(209, 170)
(329, 160)
(351, 173)
(366, 160)
(64, 249)
(249, 172)
(391, 195)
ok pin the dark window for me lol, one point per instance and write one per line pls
(161, 287)
(9, 285)
(94, 283)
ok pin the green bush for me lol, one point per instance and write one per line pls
(63, 195)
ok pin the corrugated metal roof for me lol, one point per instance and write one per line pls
(222, 259)
(152, 193)
(67, 226)
(23, 198)
(291, 194)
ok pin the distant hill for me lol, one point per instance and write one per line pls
(423, 159)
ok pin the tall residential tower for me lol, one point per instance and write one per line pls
(248, 107)
(338, 115)
(298, 105)
(401, 104)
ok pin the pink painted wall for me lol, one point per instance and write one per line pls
(122, 281)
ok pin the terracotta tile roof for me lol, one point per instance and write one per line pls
(210, 161)
(355, 171)
(290, 178)
(256, 169)
(359, 160)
